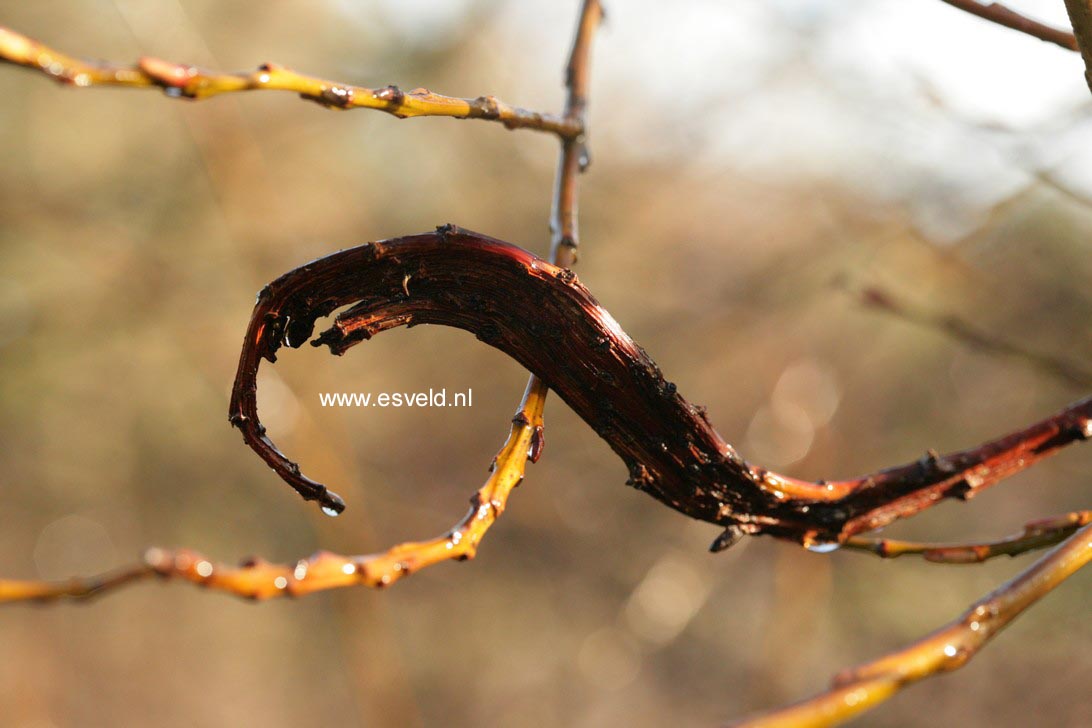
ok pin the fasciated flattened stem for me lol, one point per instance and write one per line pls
(544, 318)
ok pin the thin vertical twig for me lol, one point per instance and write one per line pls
(572, 160)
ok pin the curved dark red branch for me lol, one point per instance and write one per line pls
(540, 315)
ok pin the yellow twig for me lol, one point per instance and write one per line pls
(259, 579)
(949, 648)
(1036, 535)
(184, 81)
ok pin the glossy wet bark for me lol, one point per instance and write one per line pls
(541, 316)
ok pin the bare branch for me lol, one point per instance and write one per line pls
(572, 160)
(540, 315)
(1036, 535)
(574, 155)
(1002, 15)
(19, 590)
(183, 81)
(259, 579)
(949, 648)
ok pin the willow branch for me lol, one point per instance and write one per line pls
(541, 316)
(947, 649)
(259, 579)
(1036, 535)
(1002, 15)
(966, 333)
(185, 81)
(16, 590)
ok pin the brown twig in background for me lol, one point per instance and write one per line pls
(960, 330)
(183, 81)
(1050, 180)
(1046, 177)
(949, 648)
(1002, 15)
(572, 160)
(1036, 535)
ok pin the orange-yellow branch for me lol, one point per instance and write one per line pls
(20, 590)
(259, 579)
(918, 484)
(947, 649)
(185, 81)
(1036, 535)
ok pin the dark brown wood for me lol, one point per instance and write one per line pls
(540, 315)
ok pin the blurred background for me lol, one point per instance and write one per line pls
(757, 164)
